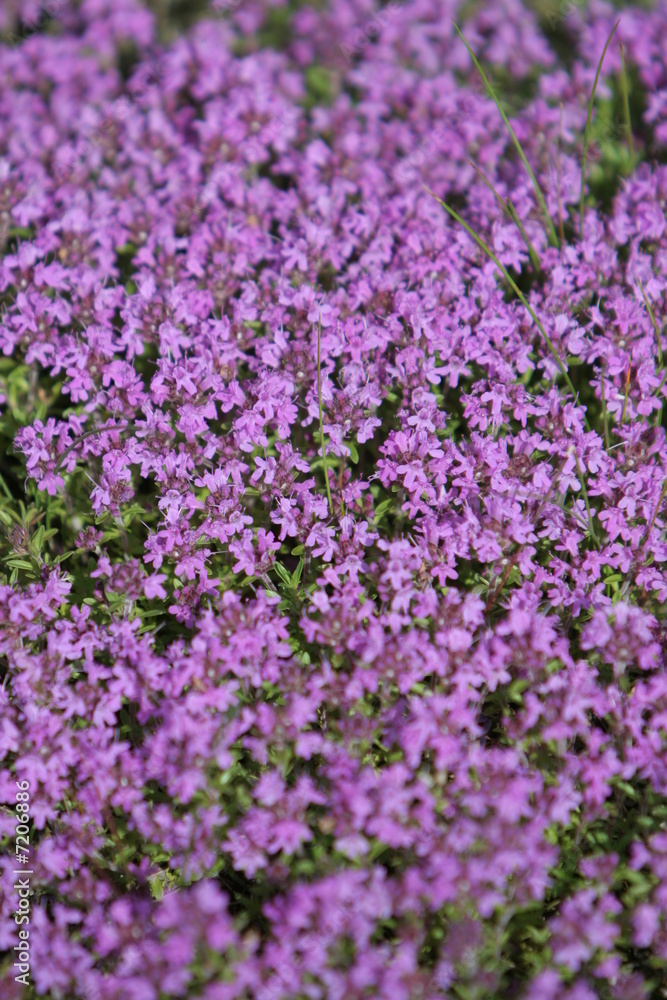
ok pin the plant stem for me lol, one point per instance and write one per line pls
(587, 130)
(586, 500)
(658, 344)
(513, 214)
(90, 433)
(654, 517)
(553, 238)
(319, 401)
(605, 414)
(653, 321)
(501, 267)
(627, 392)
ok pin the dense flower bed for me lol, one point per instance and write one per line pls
(386, 719)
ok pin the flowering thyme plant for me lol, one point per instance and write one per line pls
(333, 577)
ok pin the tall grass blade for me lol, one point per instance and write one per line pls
(658, 345)
(586, 501)
(587, 130)
(605, 413)
(553, 238)
(514, 216)
(319, 403)
(627, 393)
(508, 277)
(654, 323)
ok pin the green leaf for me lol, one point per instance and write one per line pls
(296, 575)
(380, 510)
(17, 563)
(157, 889)
(282, 573)
(626, 788)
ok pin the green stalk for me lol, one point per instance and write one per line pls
(627, 393)
(87, 434)
(319, 401)
(587, 130)
(586, 501)
(654, 517)
(513, 214)
(605, 414)
(653, 321)
(553, 238)
(658, 419)
(5, 489)
(501, 267)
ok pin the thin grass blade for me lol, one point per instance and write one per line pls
(551, 231)
(508, 277)
(319, 403)
(514, 216)
(588, 127)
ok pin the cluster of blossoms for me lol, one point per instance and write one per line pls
(332, 592)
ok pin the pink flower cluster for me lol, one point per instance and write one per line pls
(332, 623)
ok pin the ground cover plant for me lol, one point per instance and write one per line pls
(332, 517)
